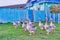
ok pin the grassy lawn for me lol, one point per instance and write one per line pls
(7, 32)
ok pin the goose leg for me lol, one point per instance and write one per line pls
(53, 30)
(41, 28)
(15, 26)
(47, 33)
(31, 33)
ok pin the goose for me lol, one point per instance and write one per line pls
(46, 24)
(15, 24)
(24, 26)
(18, 23)
(41, 25)
(52, 26)
(28, 25)
(47, 28)
(32, 29)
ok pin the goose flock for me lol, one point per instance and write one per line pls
(29, 26)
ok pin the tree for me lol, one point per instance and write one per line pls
(55, 9)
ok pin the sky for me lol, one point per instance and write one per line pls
(12, 2)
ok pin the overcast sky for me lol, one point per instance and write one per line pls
(12, 2)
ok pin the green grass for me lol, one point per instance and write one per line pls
(8, 32)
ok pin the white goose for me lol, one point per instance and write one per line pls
(18, 23)
(27, 27)
(47, 28)
(30, 27)
(24, 26)
(41, 25)
(46, 24)
(52, 26)
(15, 24)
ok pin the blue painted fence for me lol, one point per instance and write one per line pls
(11, 14)
(39, 14)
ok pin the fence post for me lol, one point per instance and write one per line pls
(58, 17)
(54, 17)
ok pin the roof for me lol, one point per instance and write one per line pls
(20, 4)
(13, 3)
(14, 6)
